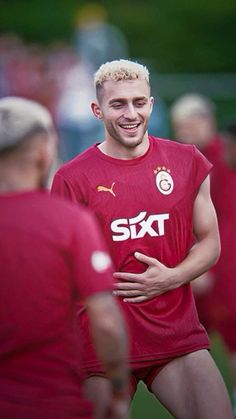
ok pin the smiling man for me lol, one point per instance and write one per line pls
(151, 197)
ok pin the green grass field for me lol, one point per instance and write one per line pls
(146, 406)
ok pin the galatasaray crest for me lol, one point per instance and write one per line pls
(164, 181)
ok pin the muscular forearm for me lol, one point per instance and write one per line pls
(202, 256)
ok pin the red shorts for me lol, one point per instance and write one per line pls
(147, 371)
(146, 374)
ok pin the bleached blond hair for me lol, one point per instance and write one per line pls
(191, 104)
(120, 70)
(20, 119)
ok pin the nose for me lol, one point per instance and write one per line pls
(130, 112)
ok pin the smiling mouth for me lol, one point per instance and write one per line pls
(130, 127)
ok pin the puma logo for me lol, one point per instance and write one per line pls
(101, 188)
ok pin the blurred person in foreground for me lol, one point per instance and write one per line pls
(152, 199)
(52, 257)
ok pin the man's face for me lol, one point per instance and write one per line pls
(125, 108)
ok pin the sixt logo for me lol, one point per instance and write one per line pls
(138, 227)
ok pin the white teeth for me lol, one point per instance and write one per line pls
(129, 126)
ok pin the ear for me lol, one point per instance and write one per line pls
(46, 150)
(96, 110)
(151, 103)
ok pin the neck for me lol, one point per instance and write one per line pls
(14, 186)
(14, 180)
(123, 152)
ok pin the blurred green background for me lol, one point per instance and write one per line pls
(190, 46)
(179, 36)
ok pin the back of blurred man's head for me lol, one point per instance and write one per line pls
(193, 119)
(27, 142)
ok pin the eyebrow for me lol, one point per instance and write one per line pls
(124, 99)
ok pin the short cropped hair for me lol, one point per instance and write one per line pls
(120, 70)
(191, 104)
(21, 119)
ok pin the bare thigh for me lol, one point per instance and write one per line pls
(192, 387)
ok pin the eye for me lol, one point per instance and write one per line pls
(140, 103)
(116, 105)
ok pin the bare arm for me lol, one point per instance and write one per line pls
(111, 343)
(206, 251)
(158, 278)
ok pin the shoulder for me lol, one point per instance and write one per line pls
(62, 220)
(78, 164)
(173, 146)
(59, 205)
(186, 158)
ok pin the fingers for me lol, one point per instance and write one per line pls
(128, 286)
(135, 300)
(129, 291)
(133, 296)
(145, 259)
(126, 276)
(125, 293)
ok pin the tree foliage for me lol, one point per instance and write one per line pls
(177, 36)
